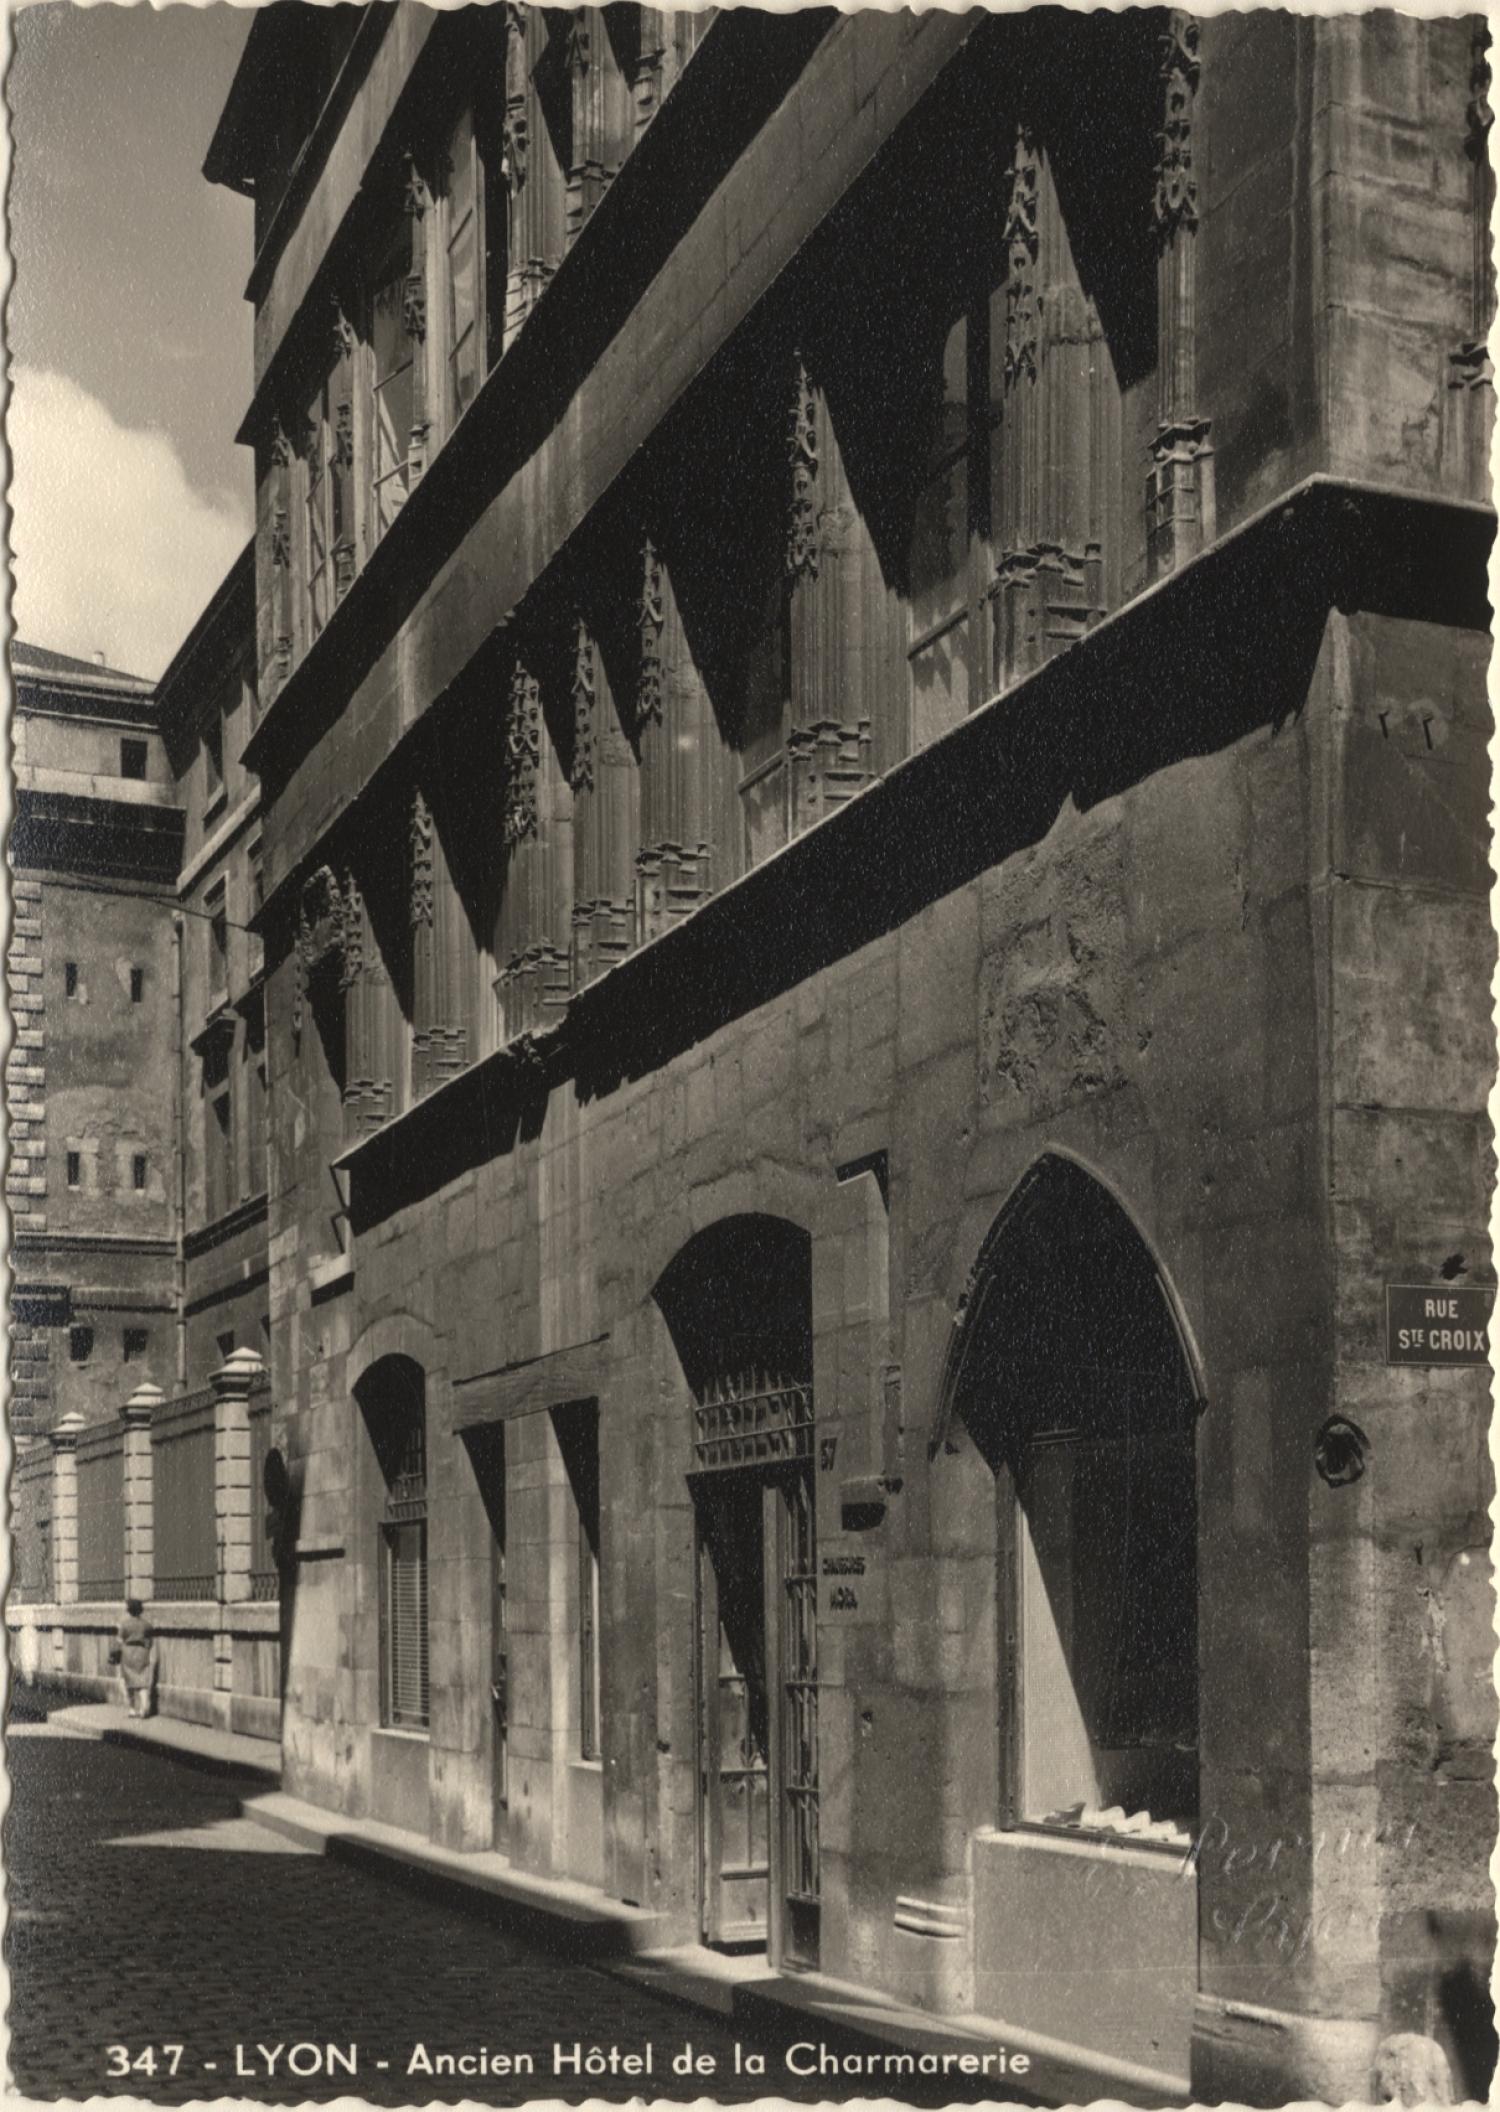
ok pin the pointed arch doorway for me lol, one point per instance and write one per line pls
(738, 1304)
(1072, 1373)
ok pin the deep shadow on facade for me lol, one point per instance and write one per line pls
(871, 641)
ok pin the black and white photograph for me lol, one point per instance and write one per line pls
(749, 1171)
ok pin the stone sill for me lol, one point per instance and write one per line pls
(1177, 670)
(335, 1272)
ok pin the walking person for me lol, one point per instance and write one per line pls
(137, 1643)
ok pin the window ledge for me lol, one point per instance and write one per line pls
(1093, 1837)
(401, 1731)
(215, 805)
(332, 1274)
(215, 1230)
(320, 1547)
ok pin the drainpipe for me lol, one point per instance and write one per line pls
(180, 1129)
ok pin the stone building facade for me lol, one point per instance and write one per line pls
(140, 1410)
(871, 639)
(97, 836)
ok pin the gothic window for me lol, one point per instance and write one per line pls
(328, 531)
(950, 519)
(474, 255)
(393, 350)
(1073, 1383)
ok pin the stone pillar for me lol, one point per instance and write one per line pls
(65, 1508)
(828, 744)
(232, 1384)
(1471, 376)
(1180, 511)
(534, 928)
(1059, 437)
(605, 807)
(372, 1046)
(140, 1535)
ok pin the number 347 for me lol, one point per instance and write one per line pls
(122, 2062)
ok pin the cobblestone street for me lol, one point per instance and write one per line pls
(146, 1913)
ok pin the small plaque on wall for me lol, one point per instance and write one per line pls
(1442, 1323)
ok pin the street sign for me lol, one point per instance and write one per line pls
(1438, 1323)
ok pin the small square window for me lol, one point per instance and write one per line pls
(70, 978)
(133, 759)
(138, 1171)
(80, 1344)
(136, 1341)
(137, 985)
(75, 1168)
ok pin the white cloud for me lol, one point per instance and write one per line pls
(112, 550)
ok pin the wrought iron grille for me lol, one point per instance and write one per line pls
(406, 1487)
(101, 1514)
(31, 1487)
(752, 1421)
(404, 1668)
(185, 1543)
(799, 1751)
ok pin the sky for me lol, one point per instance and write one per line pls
(126, 329)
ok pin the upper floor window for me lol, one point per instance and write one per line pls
(74, 1169)
(70, 979)
(474, 252)
(80, 1344)
(137, 985)
(393, 375)
(138, 1171)
(950, 527)
(218, 941)
(135, 1343)
(133, 759)
(213, 753)
(321, 495)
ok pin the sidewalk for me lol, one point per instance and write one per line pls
(806, 2010)
(194, 1744)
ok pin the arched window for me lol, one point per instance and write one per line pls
(1072, 1379)
(393, 1397)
